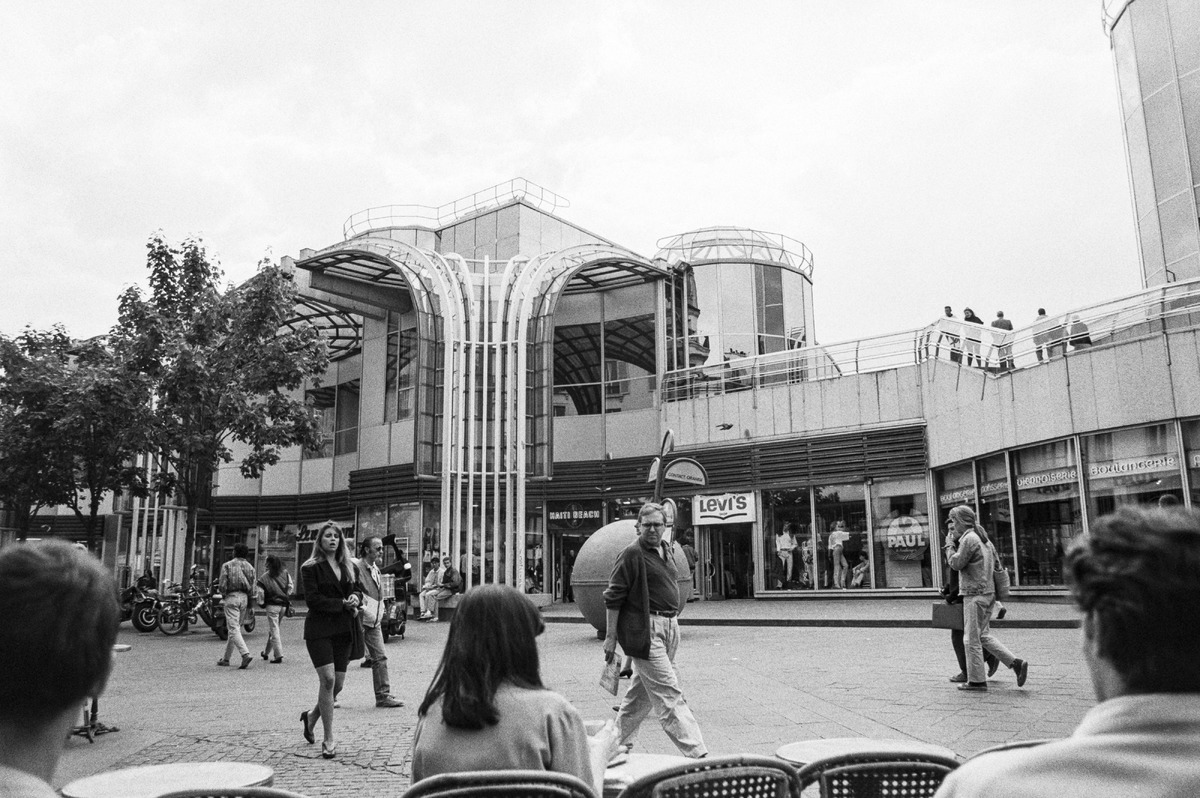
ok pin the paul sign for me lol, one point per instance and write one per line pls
(727, 508)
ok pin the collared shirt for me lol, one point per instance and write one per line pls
(1143, 745)
(19, 784)
(661, 582)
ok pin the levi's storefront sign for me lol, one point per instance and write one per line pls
(727, 508)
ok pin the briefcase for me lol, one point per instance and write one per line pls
(947, 616)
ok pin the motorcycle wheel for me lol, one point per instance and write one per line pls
(221, 629)
(145, 618)
(172, 620)
(248, 626)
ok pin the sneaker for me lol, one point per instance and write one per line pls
(1021, 667)
(223, 663)
(975, 687)
(1000, 615)
(366, 663)
(337, 704)
(387, 702)
(959, 678)
(246, 660)
(993, 664)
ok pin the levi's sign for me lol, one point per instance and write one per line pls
(727, 508)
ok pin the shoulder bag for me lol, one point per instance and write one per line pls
(1001, 583)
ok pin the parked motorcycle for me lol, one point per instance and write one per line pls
(139, 606)
(179, 611)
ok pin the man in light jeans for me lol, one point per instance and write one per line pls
(235, 583)
(371, 617)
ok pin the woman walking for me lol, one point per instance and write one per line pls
(332, 594)
(487, 708)
(277, 590)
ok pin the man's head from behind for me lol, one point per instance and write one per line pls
(58, 621)
(1136, 576)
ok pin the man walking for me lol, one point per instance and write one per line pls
(371, 616)
(440, 584)
(642, 604)
(58, 622)
(235, 583)
(1134, 577)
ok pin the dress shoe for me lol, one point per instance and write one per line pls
(328, 751)
(1021, 667)
(264, 656)
(975, 687)
(388, 702)
(277, 660)
(246, 660)
(959, 678)
(223, 662)
(308, 735)
(1000, 615)
(366, 663)
(993, 663)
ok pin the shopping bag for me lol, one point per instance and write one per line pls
(947, 616)
(1001, 583)
(610, 677)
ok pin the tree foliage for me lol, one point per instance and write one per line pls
(224, 367)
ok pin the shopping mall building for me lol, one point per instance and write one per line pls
(503, 377)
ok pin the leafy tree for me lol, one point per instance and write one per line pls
(74, 420)
(223, 365)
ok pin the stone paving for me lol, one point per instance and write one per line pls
(753, 688)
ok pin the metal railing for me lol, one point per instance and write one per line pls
(993, 351)
(734, 244)
(441, 215)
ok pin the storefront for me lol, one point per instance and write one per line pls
(724, 526)
(570, 524)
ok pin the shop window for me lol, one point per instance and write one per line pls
(1191, 444)
(843, 550)
(995, 512)
(1048, 514)
(337, 418)
(902, 551)
(788, 541)
(1131, 466)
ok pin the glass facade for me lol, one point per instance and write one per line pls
(337, 409)
(1157, 54)
(1131, 466)
(900, 527)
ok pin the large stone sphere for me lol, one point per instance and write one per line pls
(594, 564)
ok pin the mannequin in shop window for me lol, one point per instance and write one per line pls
(785, 550)
(837, 543)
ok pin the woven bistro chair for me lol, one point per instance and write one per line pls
(743, 776)
(882, 774)
(233, 792)
(514, 783)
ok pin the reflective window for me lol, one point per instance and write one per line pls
(1048, 514)
(1126, 57)
(1144, 201)
(1179, 228)
(788, 543)
(995, 514)
(1191, 447)
(1131, 466)
(902, 552)
(400, 365)
(737, 311)
(1151, 248)
(1164, 130)
(1185, 34)
(337, 410)
(843, 553)
(1189, 90)
(1150, 35)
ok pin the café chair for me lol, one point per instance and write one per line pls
(515, 783)
(233, 792)
(743, 776)
(1012, 746)
(881, 773)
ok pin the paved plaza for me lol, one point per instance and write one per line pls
(753, 688)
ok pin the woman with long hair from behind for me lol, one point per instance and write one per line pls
(487, 708)
(332, 596)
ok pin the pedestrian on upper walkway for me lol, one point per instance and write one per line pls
(972, 338)
(1004, 347)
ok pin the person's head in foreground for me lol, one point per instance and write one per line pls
(492, 640)
(1136, 578)
(58, 621)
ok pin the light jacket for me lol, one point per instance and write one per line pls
(973, 560)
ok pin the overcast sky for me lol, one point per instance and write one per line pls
(927, 152)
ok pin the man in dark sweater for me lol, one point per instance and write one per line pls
(642, 607)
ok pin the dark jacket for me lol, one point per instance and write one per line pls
(629, 592)
(452, 580)
(324, 593)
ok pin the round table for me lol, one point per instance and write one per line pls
(150, 781)
(618, 777)
(805, 751)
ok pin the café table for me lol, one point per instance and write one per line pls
(805, 751)
(618, 777)
(150, 781)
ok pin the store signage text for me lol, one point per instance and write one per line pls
(956, 496)
(1056, 477)
(1133, 465)
(572, 515)
(727, 508)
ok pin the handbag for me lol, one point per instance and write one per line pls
(358, 640)
(1001, 583)
(947, 616)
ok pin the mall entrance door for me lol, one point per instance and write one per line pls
(726, 568)
(566, 549)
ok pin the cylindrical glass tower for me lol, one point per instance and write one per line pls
(1156, 47)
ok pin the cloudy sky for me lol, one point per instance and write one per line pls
(927, 152)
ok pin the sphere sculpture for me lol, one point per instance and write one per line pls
(594, 564)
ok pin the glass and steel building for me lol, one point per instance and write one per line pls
(1156, 48)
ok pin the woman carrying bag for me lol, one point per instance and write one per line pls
(277, 587)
